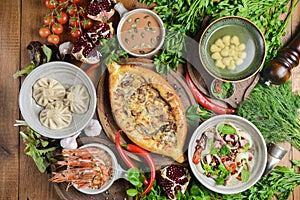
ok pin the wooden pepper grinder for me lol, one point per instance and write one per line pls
(278, 70)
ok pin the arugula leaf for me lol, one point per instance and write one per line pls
(214, 151)
(36, 147)
(224, 151)
(245, 175)
(210, 143)
(47, 51)
(132, 192)
(196, 113)
(224, 173)
(25, 70)
(134, 175)
(226, 129)
(247, 146)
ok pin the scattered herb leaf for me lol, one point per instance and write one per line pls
(224, 151)
(226, 129)
(37, 147)
(196, 113)
(245, 175)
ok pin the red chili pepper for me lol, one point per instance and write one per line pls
(142, 152)
(125, 157)
(91, 68)
(203, 101)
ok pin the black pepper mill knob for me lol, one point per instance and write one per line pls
(278, 70)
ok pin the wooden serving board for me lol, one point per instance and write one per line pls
(202, 79)
(242, 88)
(106, 117)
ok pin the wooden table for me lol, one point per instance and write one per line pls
(20, 179)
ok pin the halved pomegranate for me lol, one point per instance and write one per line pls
(101, 10)
(86, 48)
(174, 178)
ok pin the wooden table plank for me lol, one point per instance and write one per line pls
(295, 28)
(9, 61)
(33, 184)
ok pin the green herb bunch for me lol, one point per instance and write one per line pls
(185, 18)
(40, 149)
(279, 183)
(273, 110)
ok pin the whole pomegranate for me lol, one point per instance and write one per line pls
(87, 46)
(101, 10)
(173, 178)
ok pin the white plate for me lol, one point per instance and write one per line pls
(68, 75)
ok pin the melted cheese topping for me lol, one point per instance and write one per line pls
(143, 106)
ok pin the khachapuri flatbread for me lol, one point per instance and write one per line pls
(148, 110)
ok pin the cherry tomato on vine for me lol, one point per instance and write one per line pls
(54, 39)
(62, 18)
(72, 10)
(44, 32)
(49, 20)
(74, 22)
(51, 4)
(57, 28)
(82, 11)
(86, 23)
(76, 1)
(75, 32)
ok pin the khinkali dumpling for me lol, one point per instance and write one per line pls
(47, 90)
(77, 99)
(56, 116)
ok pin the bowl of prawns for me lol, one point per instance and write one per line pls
(91, 169)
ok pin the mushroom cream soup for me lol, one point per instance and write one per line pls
(140, 33)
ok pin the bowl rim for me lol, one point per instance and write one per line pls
(224, 189)
(118, 171)
(264, 48)
(157, 18)
(35, 75)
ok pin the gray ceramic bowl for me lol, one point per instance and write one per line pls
(260, 154)
(118, 172)
(248, 34)
(68, 75)
(125, 15)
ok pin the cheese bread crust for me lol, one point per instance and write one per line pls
(148, 110)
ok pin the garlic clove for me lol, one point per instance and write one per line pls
(69, 143)
(93, 129)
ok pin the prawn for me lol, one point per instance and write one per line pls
(85, 168)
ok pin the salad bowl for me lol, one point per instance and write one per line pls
(238, 165)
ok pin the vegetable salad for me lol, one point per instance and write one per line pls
(225, 153)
